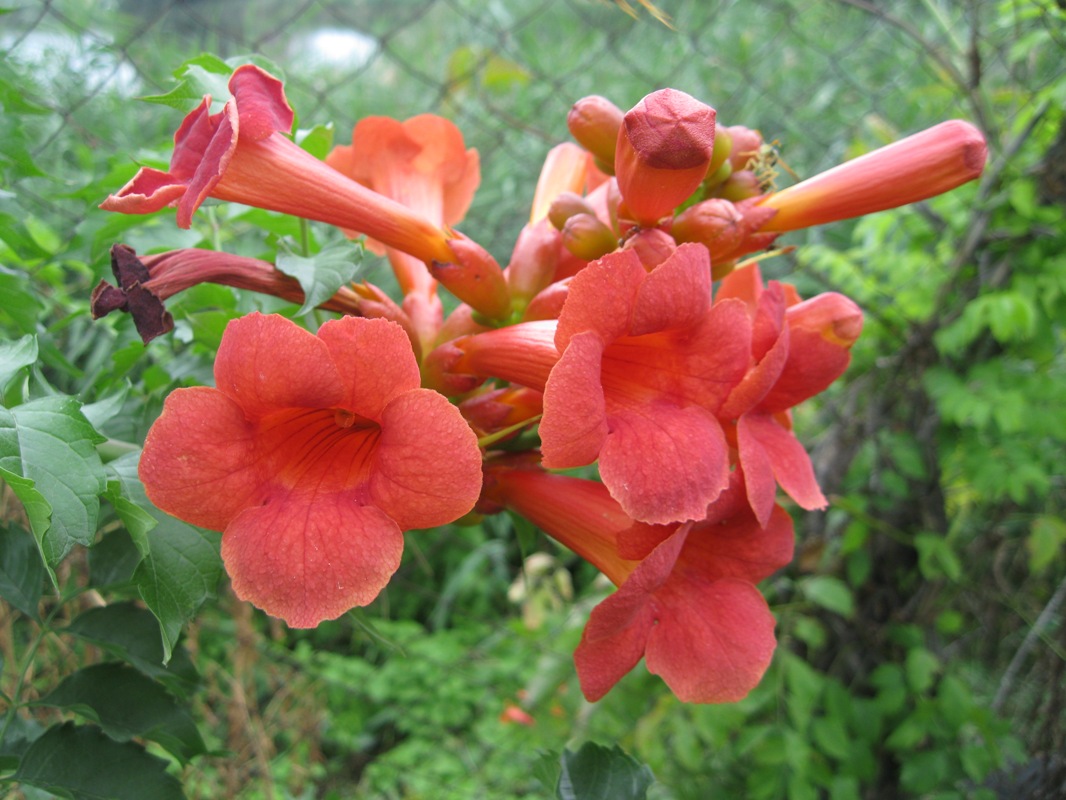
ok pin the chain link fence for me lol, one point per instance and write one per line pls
(819, 78)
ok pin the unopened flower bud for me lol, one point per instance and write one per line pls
(437, 375)
(665, 145)
(714, 223)
(587, 237)
(533, 262)
(723, 146)
(567, 205)
(923, 165)
(594, 122)
(740, 186)
(548, 304)
(566, 169)
(475, 278)
(746, 146)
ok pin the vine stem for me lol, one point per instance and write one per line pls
(24, 667)
(1006, 683)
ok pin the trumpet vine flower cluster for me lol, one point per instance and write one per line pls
(631, 329)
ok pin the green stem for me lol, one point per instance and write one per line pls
(114, 448)
(25, 667)
(305, 238)
(492, 438)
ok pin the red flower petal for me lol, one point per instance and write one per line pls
(260, 97)
(663, 463)
(713, 641)
(306, 557)
(148, 191)
(676, 294)
(817, 356)
(790, 463)
(759, 481)
(613, 642)
(428, 465)
(214, 158)
(601, 298)
(574, 426)
(374, 362)
(739, 547)
(199, 459)
(266, 363)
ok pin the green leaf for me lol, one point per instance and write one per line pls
(49, 444)
(181, 565)
(17, 305)
(921, 668)
(829, 593)
(126, 703)
(1044, 542)
(106, 409)
(936, 558)
(205, 74)
(321, 275)
(84, 764)
(832, 737)
(132, 634)
(596, 772)
(113, 560)
(317, 141)
(21, 570)
(14, 355)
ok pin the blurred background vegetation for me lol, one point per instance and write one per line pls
(922, 624)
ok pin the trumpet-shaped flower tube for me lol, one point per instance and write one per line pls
(312, 456)
(687, 601)
(144, 282)
(242, 155)
(926, 164)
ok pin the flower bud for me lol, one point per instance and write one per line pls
(714, 223)
(548, 304)
(594, 122)
(664, 147)
(928, 163)
(475, 278)
(566, 205)
(437, 375)
(565, 169)
(740, 186)
(587, 237)
(533, 262)
(746, 145)
(723, 146)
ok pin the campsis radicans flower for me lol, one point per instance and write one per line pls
(424, 164)
(634, 373)
(313, 454)
(243, 154)
(687, 601)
